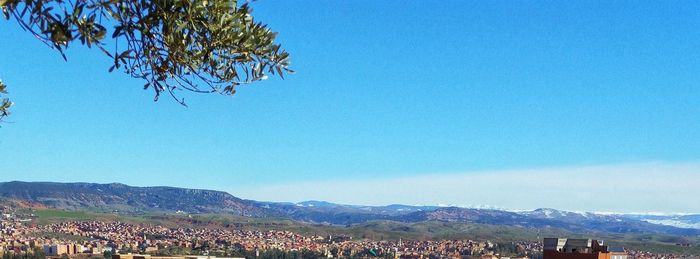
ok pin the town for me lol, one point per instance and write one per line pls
(19, 236)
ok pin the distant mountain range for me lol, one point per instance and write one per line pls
(681, 221)
(128, 199)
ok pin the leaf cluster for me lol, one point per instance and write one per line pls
(206, 46)
(5, 103)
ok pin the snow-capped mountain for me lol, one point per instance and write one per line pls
(677, 220)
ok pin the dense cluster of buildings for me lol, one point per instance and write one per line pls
(105, 238)
(127, 238)
(97, 237)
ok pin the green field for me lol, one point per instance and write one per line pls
(49, 216)
(61, 214)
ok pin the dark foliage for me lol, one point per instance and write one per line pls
(202, 46)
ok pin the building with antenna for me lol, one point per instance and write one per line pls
(566, 248)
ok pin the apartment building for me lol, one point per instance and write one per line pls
(567, 248)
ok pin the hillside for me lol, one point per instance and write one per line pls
(144, 200)
(120, 197)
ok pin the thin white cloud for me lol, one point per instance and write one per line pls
(643, 187)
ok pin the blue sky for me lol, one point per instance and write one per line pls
(385, 90)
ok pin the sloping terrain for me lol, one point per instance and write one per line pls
(119, 197)
(123, 198)
(681, 221)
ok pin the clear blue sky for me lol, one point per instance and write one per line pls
(384, 90)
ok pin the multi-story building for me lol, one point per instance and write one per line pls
(563, 248)
(55, 250)
(61, 249)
